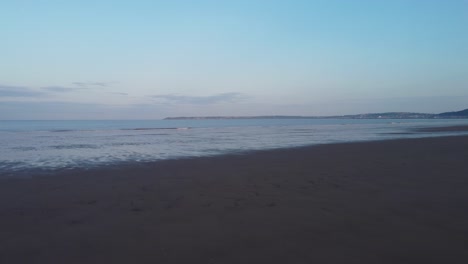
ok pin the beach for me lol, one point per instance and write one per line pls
(393, 201)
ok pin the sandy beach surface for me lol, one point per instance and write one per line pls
(396, 201)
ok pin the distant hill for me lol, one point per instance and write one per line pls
(458, 114)
(389, 115)
(392, 115)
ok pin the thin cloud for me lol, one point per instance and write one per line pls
(118, 93)
(18, 91)
(91, 84)
(60, 89)
(211, 99)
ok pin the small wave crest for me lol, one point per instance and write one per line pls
(158, 128)
(75, 146)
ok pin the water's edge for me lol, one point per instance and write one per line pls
(44, 151)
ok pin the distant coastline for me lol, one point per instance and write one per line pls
(387, 115)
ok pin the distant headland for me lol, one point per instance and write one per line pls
(387, 115)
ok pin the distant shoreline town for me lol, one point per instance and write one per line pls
(388, 115)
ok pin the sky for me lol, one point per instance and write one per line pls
(154, 59)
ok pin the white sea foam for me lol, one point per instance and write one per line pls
(68, 144)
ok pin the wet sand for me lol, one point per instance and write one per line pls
(398, 201)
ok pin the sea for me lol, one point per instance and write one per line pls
(45, 146)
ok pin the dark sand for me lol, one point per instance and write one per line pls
(400, 201)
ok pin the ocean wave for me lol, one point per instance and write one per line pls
(129, 144)
(24, 148)
(158, 128)
(75, 146)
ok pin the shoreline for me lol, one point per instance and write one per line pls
(30, 160)
(390, 201)
(431, 132)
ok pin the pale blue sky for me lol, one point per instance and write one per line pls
(151, 59)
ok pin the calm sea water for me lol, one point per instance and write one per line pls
(50, 145)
